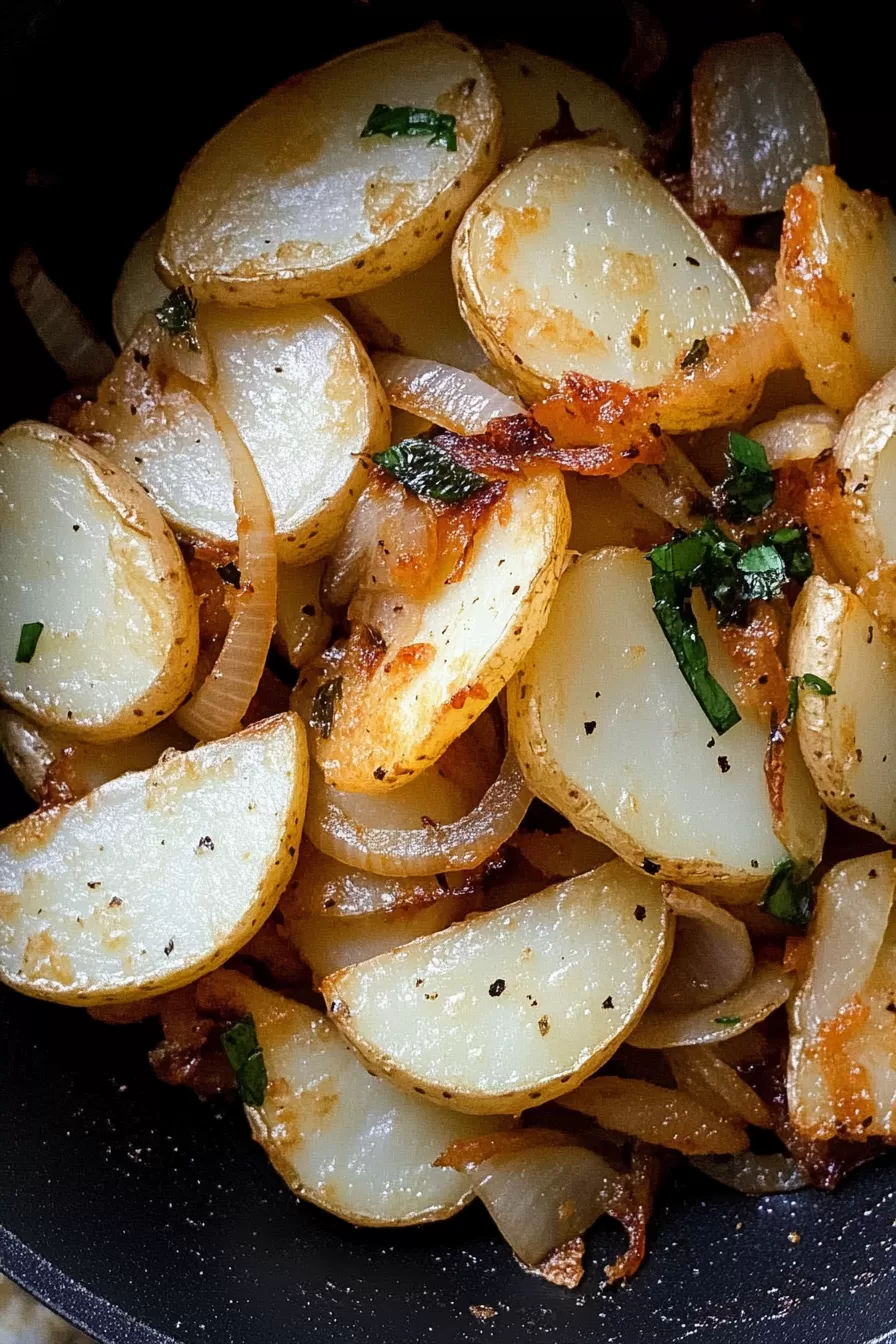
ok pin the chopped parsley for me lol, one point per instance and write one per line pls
(177, 315)
(749, 487)
(697, 353)
(792, 544)
(29, 634)
(427, 470)
(441, 127)
(247, 1061)
(811, 683)
(323, 706)
(788, 895)
(727, 1021)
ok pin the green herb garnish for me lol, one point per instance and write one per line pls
(29, 634)
(762, 572)
(247, 1061)
(749, 487)
(792, 544)
(441, 127)
(727, 1021)
(178, 314)
(427, 470)
(811, 683)
(323, 706)
(697, 353)
(788, 895)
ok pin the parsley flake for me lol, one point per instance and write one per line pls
(323, 706)
(788, 895)
(427, 470)
(810, 682)
(749, 487)
(441, 127)
(697, 353)
(727, 1021)
(178, 314)
(29, 634)
(245, 1057)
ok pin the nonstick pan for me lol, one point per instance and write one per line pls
(133, 1209)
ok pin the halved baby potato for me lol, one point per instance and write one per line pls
(139, 290)
(302, 393)
(576, 259)
(530, 87)
(835, 285)
(348, 1142)
(515, 1006)
(848, 739)
(86, 556)
(394, 719)
(156, 877)
(291, 202)
(609, 733)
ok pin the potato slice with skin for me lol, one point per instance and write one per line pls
(288, 202)
(516, 1006)
(85, 553)
(303, 395)
(54, 768)
(529, 85)
(139, 290)
(609, 733)
(835, 285)
(848, 739)
(576, 259)
(393, 722)
(156, 877)
(348, 1142)
(303, 627)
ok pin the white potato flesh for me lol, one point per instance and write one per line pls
(841, 1075)
(350, 1143)
(86, 554)
(301, 391)
(529, 85)
(418, 315)
(835, 285)
(303, 627)
(515, 1006)
(576, 259)
(288, 202)
(848, 739)
(156, 877)
(139, 290)
(609, 733)
(468, 640)
(55, 768)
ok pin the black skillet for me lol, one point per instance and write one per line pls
(133, 1209)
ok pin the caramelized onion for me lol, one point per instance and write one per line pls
(62, 328)
(699, 1070)
(674, 488)
(754, 1174)
(797, 434)
(448, 397)
(767, 989)
(660, 1115)
(711, 958)
(427, 849)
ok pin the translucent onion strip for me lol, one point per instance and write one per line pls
(698, 1070)
(797, 434)
(712, 956)
(767, 989)
(62, 328)
(448, 397)
(754, 1174)
(674, 488)
(660, 1115)
(428, 849)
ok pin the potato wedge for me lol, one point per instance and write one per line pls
(300, 390)
(608, 732)
(393, 721)
(156, 877)
(139, 290)
(516, 1006)
(303, 627)
(848, 739)
(835, 285)
(290, 202)
(54, 768)
(350, 1143)
(530, 86)
(87, 556)
(645, 281)
(417, 314)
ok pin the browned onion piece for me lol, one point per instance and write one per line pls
(673, 489)
(699, 1070)
(427, 849)
(62, 329)
(754, 1174)
(660, 1115)
(712, 956)
(767, 989)
(448, 397)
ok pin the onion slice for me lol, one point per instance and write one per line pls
(660, 1115)
(62, 329)
(674, 488)
(711, 958)
(797, 434)
(767, 989)
(427, 849)
(754, 1174)
(448, 397)
(698, 1070)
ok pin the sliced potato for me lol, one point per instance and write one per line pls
(156, 877)
(516, 1006)
(835, 285)
(54, 768)
(87, 556)
(609, 733)
(289, 202)
(848, 739)
(300, 390)
(139, 290)
(417, 314)
(575, 258)
(841, 1080)
(465, 642)
(303, 627)
(530, 86)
